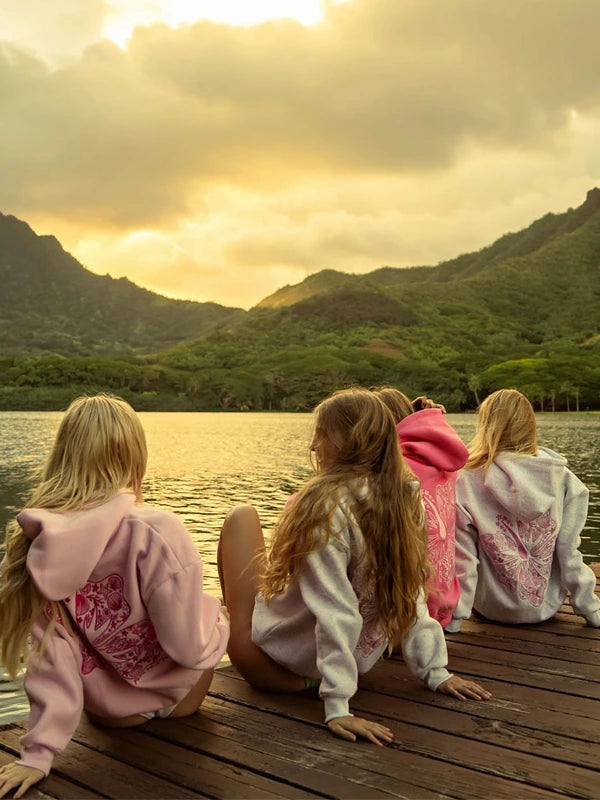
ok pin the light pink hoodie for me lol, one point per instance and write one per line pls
(143, 629)
(435, 452)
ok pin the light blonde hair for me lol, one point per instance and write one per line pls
(100, 448)
(506, 423)
(396, 401)
(365, 446)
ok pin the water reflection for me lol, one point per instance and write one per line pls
(202, 464)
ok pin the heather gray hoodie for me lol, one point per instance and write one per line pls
(518, 529)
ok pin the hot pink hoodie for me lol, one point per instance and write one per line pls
(143, 629)
(435, 452)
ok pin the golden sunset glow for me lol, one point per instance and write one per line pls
(126, 16)
(220, 150)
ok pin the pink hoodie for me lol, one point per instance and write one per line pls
(143, 629)
(435, 452)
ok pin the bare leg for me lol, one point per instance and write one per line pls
(189, 705)
(241, 540)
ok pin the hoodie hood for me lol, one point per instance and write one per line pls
(66, 546)
(426, 437)
(526, 485)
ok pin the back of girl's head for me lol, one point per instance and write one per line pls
(506, 423)
(99, 449)
(361, 430)
(396, 401)
(364, 455)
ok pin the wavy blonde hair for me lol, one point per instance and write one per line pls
(100, 448)
(362, 434)
(506, 423)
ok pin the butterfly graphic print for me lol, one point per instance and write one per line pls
(521, 553)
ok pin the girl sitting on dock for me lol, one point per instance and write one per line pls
(520, 513)
(109, 589)
(435, 453)
(344, 577)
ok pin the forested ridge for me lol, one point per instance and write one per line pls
(522, 312)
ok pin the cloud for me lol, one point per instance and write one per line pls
(389, 133)
(56, 31)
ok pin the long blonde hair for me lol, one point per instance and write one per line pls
(506, 423)
(365, 446)
(100, 448)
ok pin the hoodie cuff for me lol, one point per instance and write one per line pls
(453, 626)
(593, 620)
(437, 676)
(38, 757)
(336, 707)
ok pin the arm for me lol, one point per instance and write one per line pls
(576, 576)
(467, 563)
(189, 623)
(426, 655)
(55, 694)
(328, 594)
(424, 648)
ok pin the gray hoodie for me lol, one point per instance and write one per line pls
(324, 625)
(518, 529)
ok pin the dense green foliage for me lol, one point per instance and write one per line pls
(523, 312)
(50, 303)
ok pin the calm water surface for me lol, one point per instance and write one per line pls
(200, 465)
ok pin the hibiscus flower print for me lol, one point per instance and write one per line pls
(521, 553)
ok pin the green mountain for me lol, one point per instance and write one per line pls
(50, 303)
(523, 312)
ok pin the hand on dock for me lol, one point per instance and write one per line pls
(464, 690)
(351, 727)
(16, 775)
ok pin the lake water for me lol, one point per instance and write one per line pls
(200, 465)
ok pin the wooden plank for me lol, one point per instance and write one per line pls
(451, 748)
(305, 753)
(547, 707)
(161, 756)
(109, 777)
(582, 681)
(431, 767)
(542, 646)
(577, 636)
(53, 786)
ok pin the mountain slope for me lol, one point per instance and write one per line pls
(523, 312)
(50, 302)
(533, 296)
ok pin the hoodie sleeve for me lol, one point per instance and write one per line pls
(55, 694)
(424, 648)
(467, 563)
(328, 593)
(188, 621)
(576, 576)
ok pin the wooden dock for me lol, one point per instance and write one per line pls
(539, 737)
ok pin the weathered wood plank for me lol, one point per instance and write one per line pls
(456, 775)
(161, 756)
(295, 751)
(109, 777)
(542, 645)
(548, 707)
(449, 747)
(54, 785)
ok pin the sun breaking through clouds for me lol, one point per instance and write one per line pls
(218, 159)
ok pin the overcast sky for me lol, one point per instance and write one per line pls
(209, 154)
